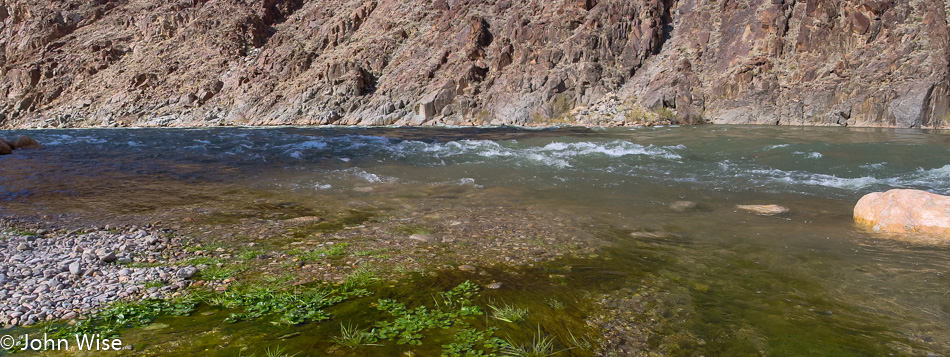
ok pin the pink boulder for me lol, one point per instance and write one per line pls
(906, 212)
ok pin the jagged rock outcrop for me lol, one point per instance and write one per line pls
(815, 62)
(236, 62)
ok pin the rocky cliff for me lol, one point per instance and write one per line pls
(84, 63)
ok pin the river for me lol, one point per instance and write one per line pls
(726, 281)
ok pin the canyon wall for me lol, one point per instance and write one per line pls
(470, 62)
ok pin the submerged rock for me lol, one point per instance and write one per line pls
(23, 142)
(682, 206)
(305, 219)
(26, 142)
(905, 211)
(764, 210)
(5, 148)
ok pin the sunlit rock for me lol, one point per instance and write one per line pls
(905, 211)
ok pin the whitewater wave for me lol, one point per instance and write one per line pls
(935, 180)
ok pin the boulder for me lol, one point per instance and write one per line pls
(5, 148)
(26, 142)
(905, 211)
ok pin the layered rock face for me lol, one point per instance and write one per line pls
(414, 62)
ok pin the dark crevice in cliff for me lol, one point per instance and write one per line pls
(272, 13)
(666, 26)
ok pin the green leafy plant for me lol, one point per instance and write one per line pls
(291, 307)
(465, 342)
(122, 314)
(409, 324)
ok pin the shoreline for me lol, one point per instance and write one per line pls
(162, 260)
(449, 127)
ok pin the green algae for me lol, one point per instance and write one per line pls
(715, 303)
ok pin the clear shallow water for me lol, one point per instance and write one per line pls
(807, 283)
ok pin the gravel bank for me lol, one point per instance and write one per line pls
(47, 275)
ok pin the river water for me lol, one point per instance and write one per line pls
(808, 282)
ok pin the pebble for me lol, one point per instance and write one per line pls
(466, 267)
(74, 269)
(108, 258)
(187, 272)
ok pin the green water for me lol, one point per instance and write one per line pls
(710, 281)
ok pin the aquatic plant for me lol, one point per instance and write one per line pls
(580, 342)
(291, 307)
(540, 346)
(249, 254)
(465, 342)
(278, 352)
(353, 336)
(508, 313)
(123, 314)
(155, 284)
(374, 253)
(458, 296)
(407, 328)
(410, 229)
(359, 278)
(321, 253)
(554, 303)
(220, 272)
